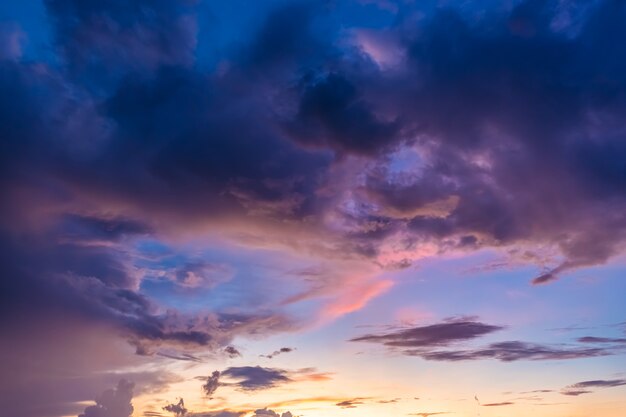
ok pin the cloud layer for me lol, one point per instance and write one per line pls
(129, 154)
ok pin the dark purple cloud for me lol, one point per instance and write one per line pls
(433, 342)
(256, 378)
(100, 42)
(441, 334)
(253, 378)
(526, 104)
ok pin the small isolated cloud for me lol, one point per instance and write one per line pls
(232, 351)
(211, 384)
(351, 403)
(264, 412)
(115, 402)
(177, 409)
(252, 378)
(278, 352)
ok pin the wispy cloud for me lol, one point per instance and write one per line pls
(433, 342)
(587, 387)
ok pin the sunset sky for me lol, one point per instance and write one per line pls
(317, 208)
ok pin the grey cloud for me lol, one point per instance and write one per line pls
(114, 402)
(264, 412)
(594, 339)
(232, 351)
(252, 378)
(212, 384)
(178, 409)
(511, 351)
(279, 352)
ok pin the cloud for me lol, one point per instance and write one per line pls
(11, 41)
(441, 334)
(114, 402)
(296, 140)
(587, 387)
(426, 414)
(253, 378)
(511, 351)
(177, 409)
(77, 360)
(593, 339)
(505, 403)
(264, 412)
(212, 384)
(278, 352)
(331, 113)
(429, 343)
(314, 400)
(256, 378)
(179, 356)
(232, 351)
(94, 38)
(222, 413)
(351, 403)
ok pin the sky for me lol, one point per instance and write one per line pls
(327, 208)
